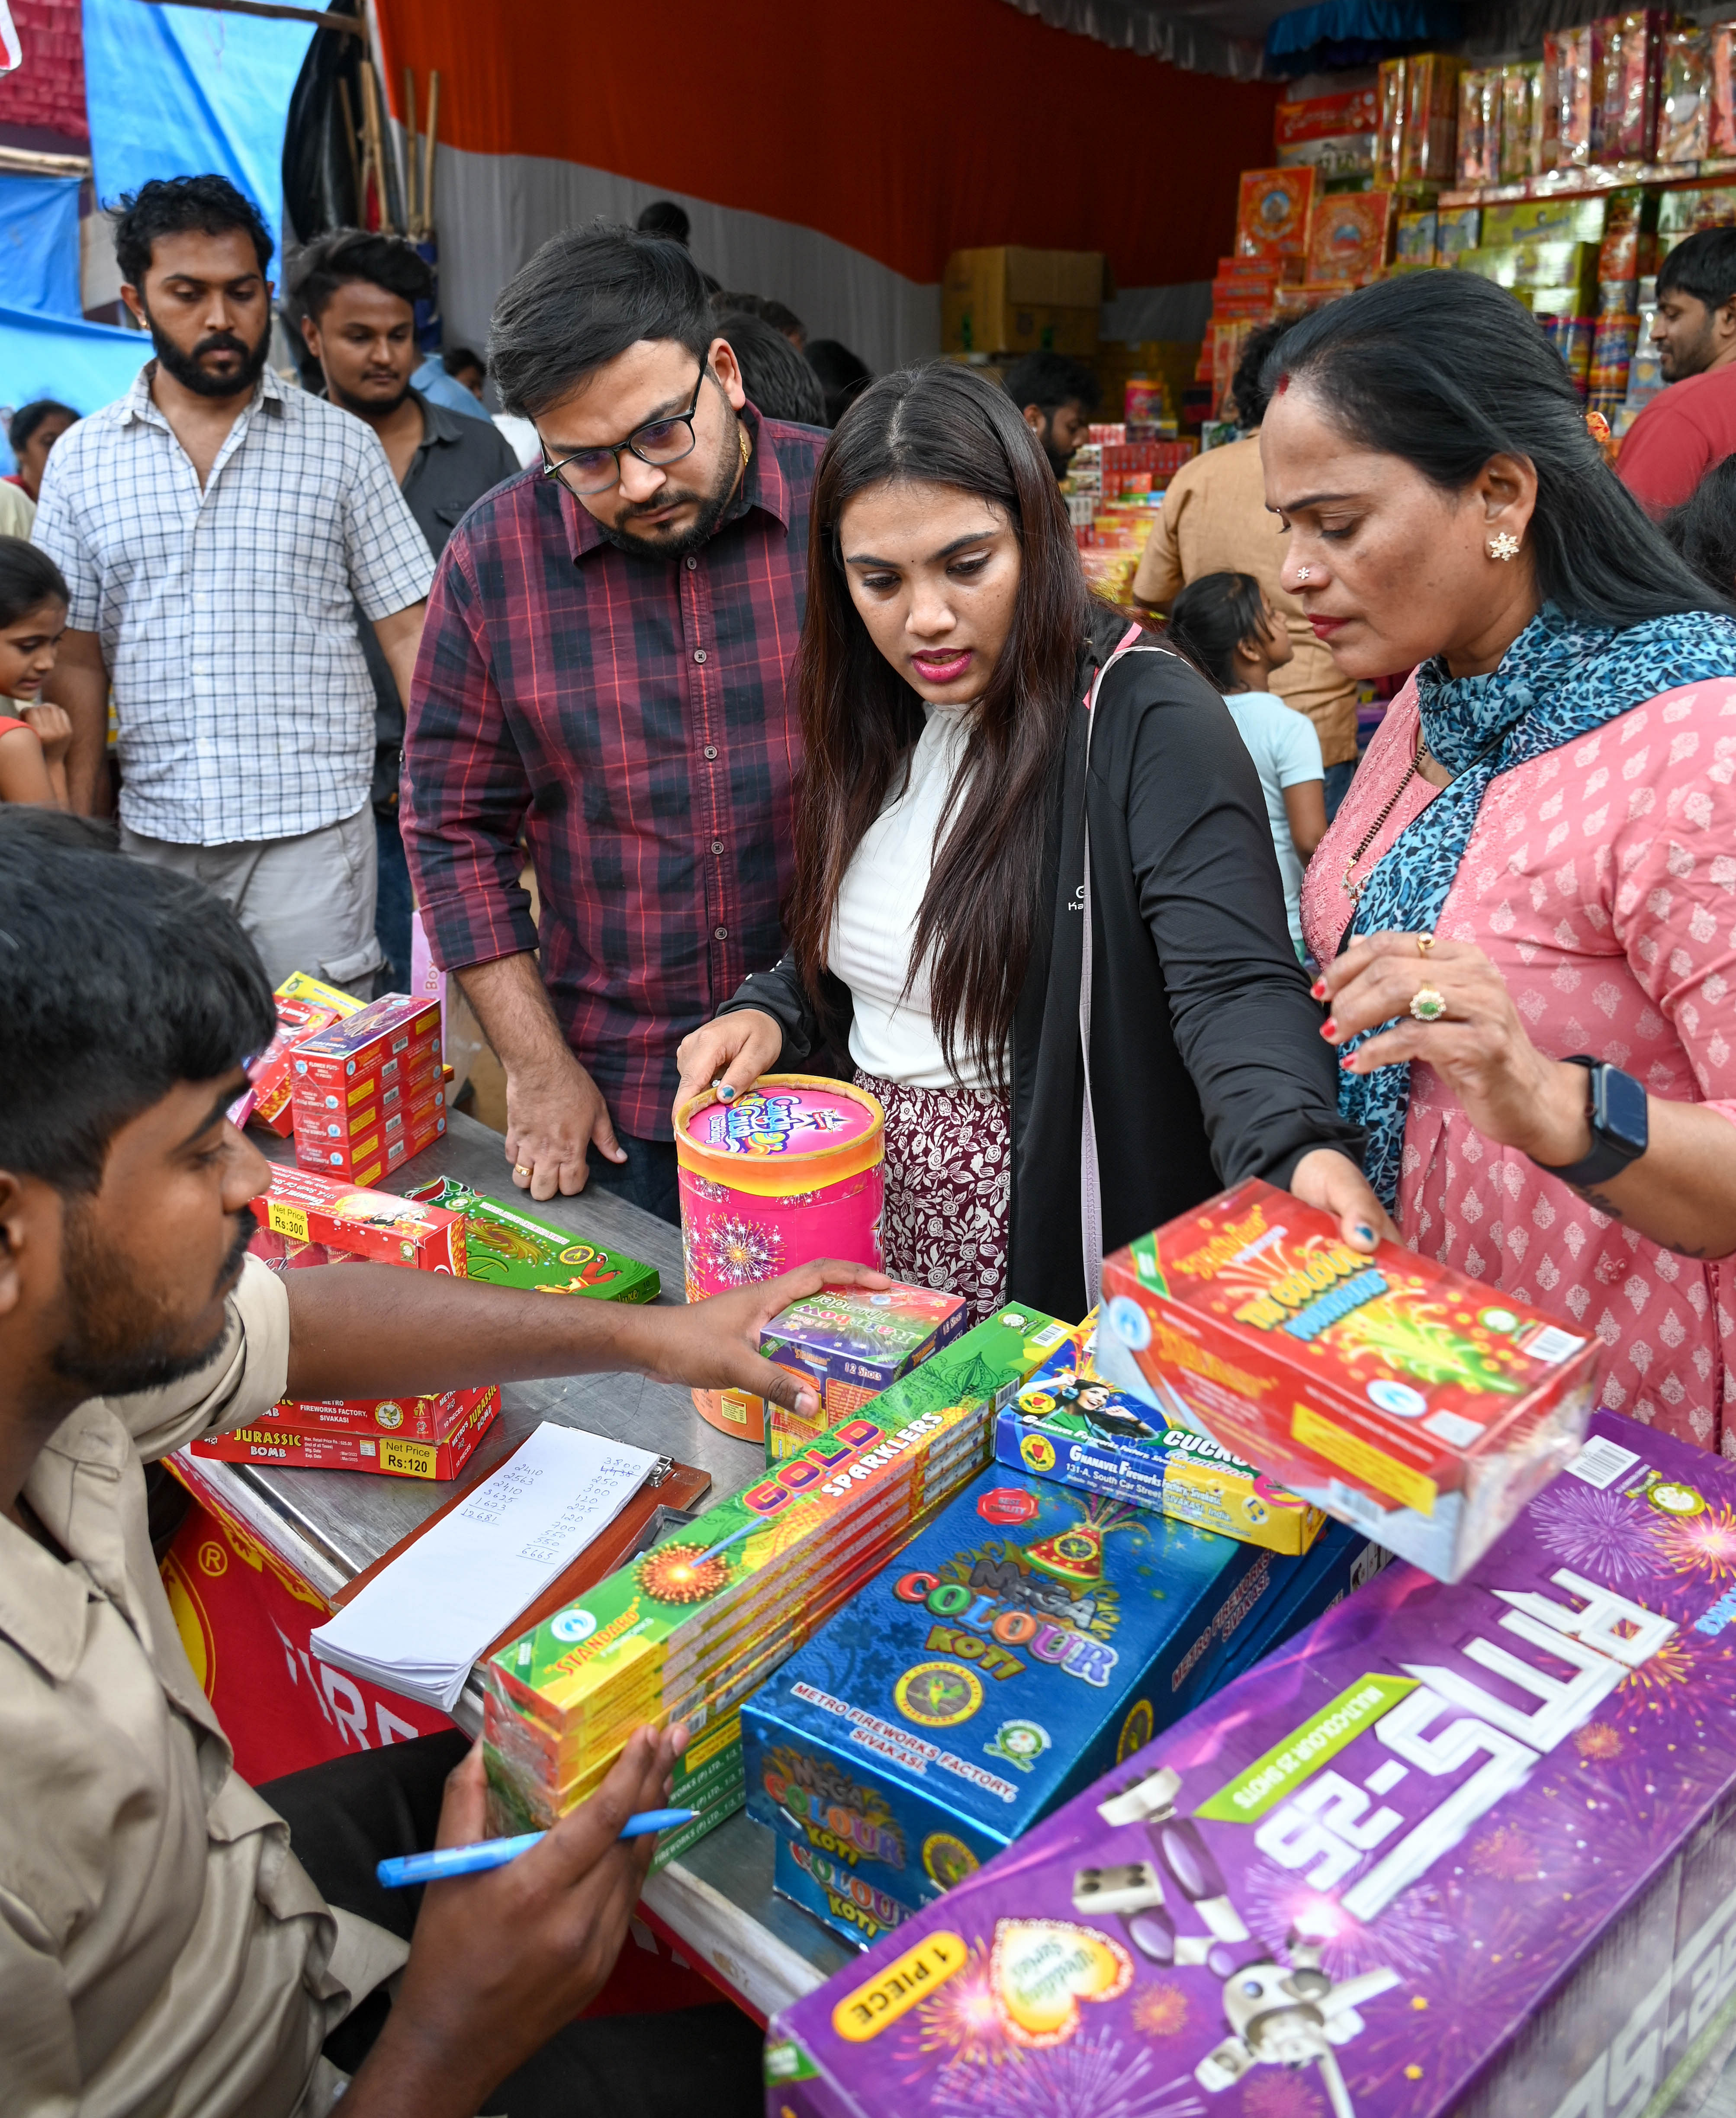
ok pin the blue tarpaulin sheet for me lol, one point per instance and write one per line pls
(38, 244)
(176, 91)
(84, 365)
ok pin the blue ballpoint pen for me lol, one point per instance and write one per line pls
(448, 1861)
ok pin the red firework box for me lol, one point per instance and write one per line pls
(270, 1072)
(1396, 1395)
(310, 1208)
(387, 1042)
(364, 1146)
(437, 1419)
(389, 1455)
(1272, 212)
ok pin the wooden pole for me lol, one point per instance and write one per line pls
(427, 153)
(375, 161)
(354, 144)
(412, 204)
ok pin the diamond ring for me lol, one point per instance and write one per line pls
(1427, 1005)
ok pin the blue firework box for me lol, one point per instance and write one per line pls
(1462, 1848)
(1031, 1636)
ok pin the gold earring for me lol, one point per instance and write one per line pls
(1504, 545)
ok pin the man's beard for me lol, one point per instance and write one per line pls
(1677, 364)
(677, 543)
(366, 408)
(185, 368)
(116, 1344)
(1057, 463)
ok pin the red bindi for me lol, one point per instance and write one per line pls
(1283, 384)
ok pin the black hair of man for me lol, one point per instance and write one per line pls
(1702, 265)
(313, 274)
(117, 984)
(584, 298)
(1250, 393)
(778, 314)
(182, 206)
(460, 361)
(28, 578)
(1049, 381)
(843, 375)
(28, 417)
(663, 217)
(778, 382)
(1703, 528)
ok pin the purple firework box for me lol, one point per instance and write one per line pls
(1466, 1849)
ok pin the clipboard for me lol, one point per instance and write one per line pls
(671, 1488)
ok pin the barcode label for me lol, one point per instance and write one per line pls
(1051, 1334)
(1552, 1346)
(1601, 1463)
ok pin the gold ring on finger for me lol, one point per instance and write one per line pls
(1425, 944)
(520, 1169)
(1428, 1004)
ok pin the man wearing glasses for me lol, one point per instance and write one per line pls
(603, 675)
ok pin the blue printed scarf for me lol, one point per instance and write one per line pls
(1558, 680)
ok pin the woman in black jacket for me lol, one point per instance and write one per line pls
(968, 716)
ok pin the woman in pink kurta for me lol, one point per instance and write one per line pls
(1600, 881)
(1526, 909)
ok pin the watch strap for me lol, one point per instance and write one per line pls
(1609, 1156)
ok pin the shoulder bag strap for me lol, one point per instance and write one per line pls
(1133, 640)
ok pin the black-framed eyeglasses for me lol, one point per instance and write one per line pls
(658, 442)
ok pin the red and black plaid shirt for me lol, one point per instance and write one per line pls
(629, 717)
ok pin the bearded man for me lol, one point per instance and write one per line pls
(602, 682)
(218, 529)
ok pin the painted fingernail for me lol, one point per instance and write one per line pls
(725, 1093)
(1347, 1061)
(1329, 1029)
(1365, 1231)
(1318, 989)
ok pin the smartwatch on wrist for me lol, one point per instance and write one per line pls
(1619, 1129)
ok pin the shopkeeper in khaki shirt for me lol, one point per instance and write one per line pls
(162, 1950)
(1214, 520)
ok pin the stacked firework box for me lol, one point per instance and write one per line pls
(1029, 1639)
(508, 1248)
(687, 1630)
(1389, 1391)
(1070, 1423)
(1466, 1849)
(306, 1220)
(851, 1345)
(369, 1092)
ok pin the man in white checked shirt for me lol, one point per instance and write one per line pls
(217, 529)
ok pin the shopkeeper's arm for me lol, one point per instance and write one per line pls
(378, 1330)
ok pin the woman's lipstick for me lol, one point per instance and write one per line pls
(942, 668)
(1325, 627)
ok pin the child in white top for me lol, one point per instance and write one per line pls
(1224, 623)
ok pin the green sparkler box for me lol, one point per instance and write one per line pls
(561, 1700)
(513, 1249)
(1031, 1638)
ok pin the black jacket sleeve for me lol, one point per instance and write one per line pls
(1210, 893)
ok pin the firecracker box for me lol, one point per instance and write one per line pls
(1337, 1564)
(851, 1345)
(1457, 229)
(707, 1777)
(1325, 117)
(1466, 1850)
(1272, 213)
(284, 1254)
(511, 1248)
(1628, 67)
(1029, 1638)
(1572, 72)
(1071, 1424)
(1546, 220)
(1414, 242)
(384, 1042)
(1418, 108)
(365, 1149)
(271, 1074)
(1685, 95)
(438, 1418)
(353, 1108)
(1350, 236)
(1392, 1392)
(307, 1207)
(1522, 127)
(687, 1629)
(321, 1449)
(826, 1886)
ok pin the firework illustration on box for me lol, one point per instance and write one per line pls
(852, 1345)
(789, 1172)
(514, 1249)
(1389, 1391)
(1028, 1639)
(1464, 1848)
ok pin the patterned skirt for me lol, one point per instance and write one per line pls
(948, 1185)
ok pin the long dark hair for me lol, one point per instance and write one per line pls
(1446, 370)
(940, 425)
(1211, 617)
(1703, 528)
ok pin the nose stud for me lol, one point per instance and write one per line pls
(1303, 572)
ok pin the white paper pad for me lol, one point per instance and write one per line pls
(420, 1624)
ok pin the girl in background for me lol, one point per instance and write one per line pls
(34, 737)
(1224, 624)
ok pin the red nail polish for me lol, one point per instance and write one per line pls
(1318, 989)
(1329, 1029)
(1347, 1060)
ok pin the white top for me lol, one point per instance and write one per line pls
(1286, 752)
(227, 616)
(874, 926)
